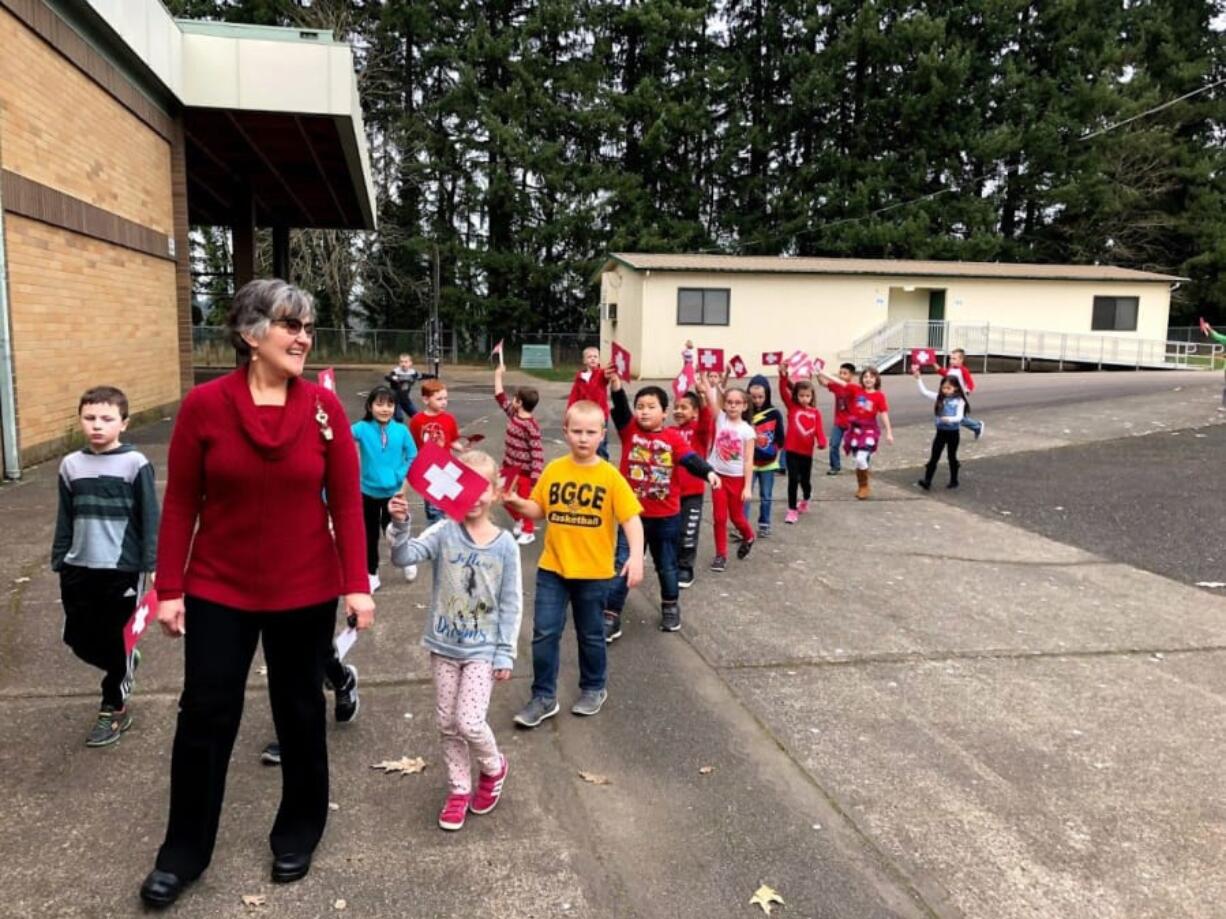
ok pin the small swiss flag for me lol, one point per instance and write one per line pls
(621, 361)
(445, 482)
(143, 617)
(498, 350)
(795, 361)
(923, 357)
(711, 359)
(772, 358)
(738, 368)
(327, 379)
(1204, 326)
(684, 381)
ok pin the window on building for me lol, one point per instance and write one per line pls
(702, 306)
(1115, 314)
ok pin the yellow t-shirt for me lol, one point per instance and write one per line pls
(584, 506)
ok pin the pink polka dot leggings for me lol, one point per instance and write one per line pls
(462, 699)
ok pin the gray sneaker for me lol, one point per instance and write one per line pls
(110, 724)
(590, 702)
(670, 617)
(536, 711)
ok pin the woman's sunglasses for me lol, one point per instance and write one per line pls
(294, 326)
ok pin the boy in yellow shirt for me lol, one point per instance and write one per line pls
(584, 498)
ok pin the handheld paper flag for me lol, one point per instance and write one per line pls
(772, 358)
(738, 368)
(445, 482)
(142, 618)
(621, 361)
(711, 359)
(327, 379)
(684, 381)
(922, 357)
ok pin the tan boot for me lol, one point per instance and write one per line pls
(862, 479)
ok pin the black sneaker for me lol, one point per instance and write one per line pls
(719, 563)
(271, 755)
(670, 618)
(612, 626)
(108, 727)
(924, 484)
(833, 471)
(743, 549)
(347, 701)
(685, 577)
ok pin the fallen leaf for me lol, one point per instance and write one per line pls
(333, 806)
(21, 580)
(594, 778)
(252, 900)
(705, 770)
(339, 904)
(405, 765)
(764, 896)
(263, 671)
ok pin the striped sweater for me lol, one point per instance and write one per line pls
(108, 511)
(524, 450)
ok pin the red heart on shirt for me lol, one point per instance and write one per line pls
(806, 424)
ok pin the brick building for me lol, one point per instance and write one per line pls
(119, 128)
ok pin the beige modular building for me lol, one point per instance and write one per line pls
(119, 128)
(873, 311)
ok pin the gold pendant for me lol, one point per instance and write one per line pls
(324, 428)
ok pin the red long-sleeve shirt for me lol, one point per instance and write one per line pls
(698, 434)
(256, 486)
(804, 424)
(595, 388)
(963, 372)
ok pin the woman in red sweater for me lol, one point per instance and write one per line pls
(260, 461)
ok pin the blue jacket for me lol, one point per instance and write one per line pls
(384, 468)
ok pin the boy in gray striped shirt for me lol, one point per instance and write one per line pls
(105, 539)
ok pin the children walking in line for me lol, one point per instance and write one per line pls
(958, 370)
(651, 456)
(731, 457)
(868, 413)
(585, 499)
(524, 456)
(591, 385)
(105, 539)
(401, 380)
(692, 418)
(804, 429)
(385, 452)
(949, 407)
(435, 425)
(476, 605)
(842, 414)
(770, 431)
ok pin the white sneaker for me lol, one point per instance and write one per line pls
(410, 573)
(526, 539)
(374, 583)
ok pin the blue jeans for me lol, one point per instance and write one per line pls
(766, 491)
(603, 450)
(836, 444)
(661, 534)
(972, 424)
(405, 409)
(586, 599)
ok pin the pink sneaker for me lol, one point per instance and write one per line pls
(792, 517)
(804, 506)
(489, 790)
(451, 817)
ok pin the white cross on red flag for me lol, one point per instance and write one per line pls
(922, 357)
(711, 359)
(795, 361)
(327, 379)
(621, 361)
(445, 482)
(738, 368)
(772, 358)
(142, 617)
(684, 381)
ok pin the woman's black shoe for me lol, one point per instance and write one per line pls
(161, 888)
(291, 867)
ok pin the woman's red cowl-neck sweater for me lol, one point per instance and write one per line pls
(256, 486)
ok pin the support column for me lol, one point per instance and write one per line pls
(242, 230)
(182, 254)
(280, 253)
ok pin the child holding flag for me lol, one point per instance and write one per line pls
(804, 429)
(524, 456)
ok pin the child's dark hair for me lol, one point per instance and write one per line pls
(655, 391)
(960, 351)
(803, 386)
(380, 393)
(528, 397)
(105, 395)
(848, 366)
(958, 394)
(691, 397)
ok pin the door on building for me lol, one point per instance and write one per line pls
(936, 319)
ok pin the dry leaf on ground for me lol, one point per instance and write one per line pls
(406, 765)
(253, 900)
(339, 904)
(764, 896)
(594, 778)
(705, 770)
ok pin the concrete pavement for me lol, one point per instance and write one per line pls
(912, 707)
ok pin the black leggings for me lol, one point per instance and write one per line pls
(376, 518)
(944, 439)
(800, 475)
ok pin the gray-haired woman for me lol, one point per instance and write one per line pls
(260, 461)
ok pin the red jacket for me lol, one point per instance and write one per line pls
(698, 434)
(968, 381)
(804, 424)
(256, 485)
(595, 389)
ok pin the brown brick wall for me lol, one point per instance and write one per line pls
(60, 128)
(84, 313)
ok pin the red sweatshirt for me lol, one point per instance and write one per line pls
(595, 388)
(842, 403)
(524, 452)
(804, 424)
(964, 372)
(440, 429)
(698, 435)
(256, 485)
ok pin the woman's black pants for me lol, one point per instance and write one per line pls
(218, 647)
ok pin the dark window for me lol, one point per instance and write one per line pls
(1115, 314)
(702, 306)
